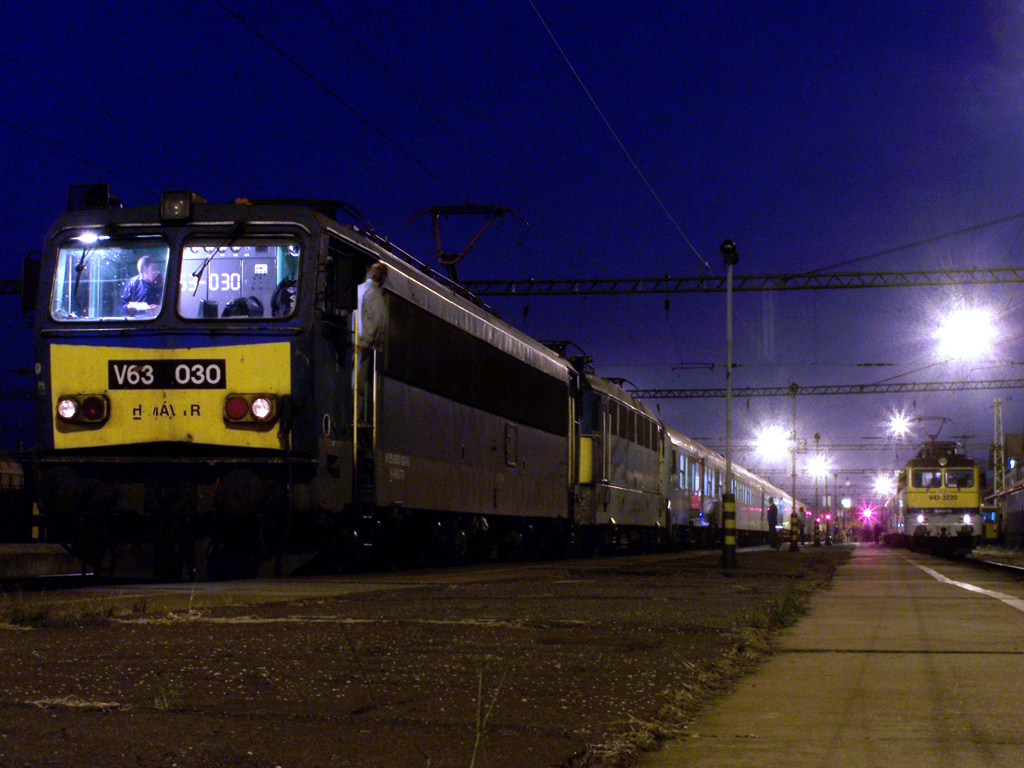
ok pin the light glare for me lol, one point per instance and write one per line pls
(899, 424)
(966, 334)
(885, 485)
(818, 466)
(772, 442)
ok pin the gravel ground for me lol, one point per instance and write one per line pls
(573, 663)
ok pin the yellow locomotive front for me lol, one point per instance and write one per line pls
(166, 351)
(940, 500)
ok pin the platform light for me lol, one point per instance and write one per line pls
(899, 424)
(818, 466)
(966, 333)
(885, 485)
(772, 442)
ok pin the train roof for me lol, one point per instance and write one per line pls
(612, 389)
(946, 454)
(413, 281)
(689, 445)
(408, 277)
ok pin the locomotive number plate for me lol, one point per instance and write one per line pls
(165, 374)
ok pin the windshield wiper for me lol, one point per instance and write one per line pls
(235, 233)
(78, 270)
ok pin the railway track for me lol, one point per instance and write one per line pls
(1011, 569)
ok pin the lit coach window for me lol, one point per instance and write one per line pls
(254, 408)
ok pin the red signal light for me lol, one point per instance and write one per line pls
(94, 409)
(236, 408)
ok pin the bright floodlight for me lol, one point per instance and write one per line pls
(818, 466)
(884, 485)
(966, 334)
(772, 442)
(899, 424)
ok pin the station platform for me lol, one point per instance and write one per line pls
(908, 660)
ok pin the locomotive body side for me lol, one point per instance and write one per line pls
(620, 477)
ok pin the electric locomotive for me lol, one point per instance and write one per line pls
(939, 493)
(619, 499)
(213, 418)
(209, 405)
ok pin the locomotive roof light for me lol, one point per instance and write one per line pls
(885, 485)
(90, 237)
(773, 442)
(178, 205)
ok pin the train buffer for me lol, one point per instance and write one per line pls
(907, 660)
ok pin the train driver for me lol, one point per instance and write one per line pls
(144, 292)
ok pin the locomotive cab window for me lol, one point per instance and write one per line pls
(959, 478)
(97, 278)
(926, 478)
(250, 278)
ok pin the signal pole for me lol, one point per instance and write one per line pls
(730, 257)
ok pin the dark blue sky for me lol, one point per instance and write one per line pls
(633, 138)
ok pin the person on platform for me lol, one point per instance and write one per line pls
(773, 521)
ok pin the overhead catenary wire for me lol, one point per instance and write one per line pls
(418, 102)
(99, 109)
(615, 135)
(333, 94)
(108, 171)
(923, 241)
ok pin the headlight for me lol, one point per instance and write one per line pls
(67, 408)
(920, 519)
(83, 409)
(262, 409)
(243, 408)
